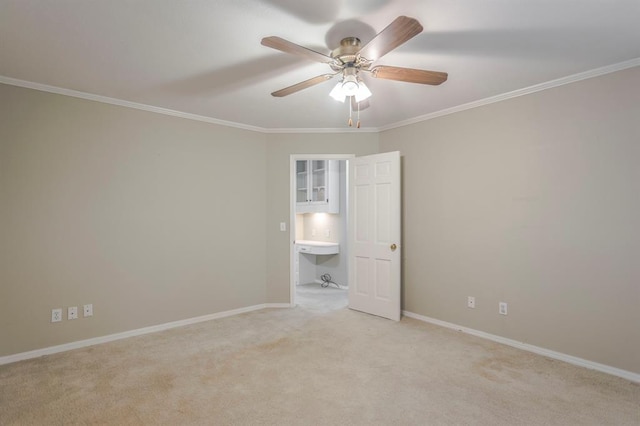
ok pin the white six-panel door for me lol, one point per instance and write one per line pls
(374, 235)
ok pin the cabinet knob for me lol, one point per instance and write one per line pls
(393, 247)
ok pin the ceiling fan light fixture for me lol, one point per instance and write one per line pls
(350, 85)
(350, 58)
(363, 92)
(337, 93)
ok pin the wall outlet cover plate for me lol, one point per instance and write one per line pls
(56, 315)
(87, 310)
(72, 313)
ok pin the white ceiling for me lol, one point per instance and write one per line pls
(204, 57)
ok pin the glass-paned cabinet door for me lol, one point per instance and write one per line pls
(302, 184)
(317, 186)
(319, 181)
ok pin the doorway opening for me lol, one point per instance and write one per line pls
(319, 231)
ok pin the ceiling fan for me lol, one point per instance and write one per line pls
(351, 59)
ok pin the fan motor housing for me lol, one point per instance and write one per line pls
(347, 50)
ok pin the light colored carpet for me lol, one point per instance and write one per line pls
(314, 297)
(304, 367)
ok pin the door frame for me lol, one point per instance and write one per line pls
(292, 210)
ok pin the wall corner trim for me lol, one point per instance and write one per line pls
(132, 333)
(628, 375)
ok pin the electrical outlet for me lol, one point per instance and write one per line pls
(502, 308)
(87, 310)
(327, 233)
(471, 302)
(56, 315)
(72, 312)
(313, 232)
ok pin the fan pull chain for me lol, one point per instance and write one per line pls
(350, 110)
(358, 125)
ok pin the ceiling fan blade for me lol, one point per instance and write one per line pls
(398, 32)
(295, 49)
(409, 75)
(302, 85)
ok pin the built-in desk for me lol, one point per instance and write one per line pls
(305, 258)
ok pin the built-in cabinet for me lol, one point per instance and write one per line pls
(317, 186)
(320, 239)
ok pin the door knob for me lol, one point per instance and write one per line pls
(393, 247)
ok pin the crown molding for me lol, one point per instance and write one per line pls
(520, 92)
(123, 103)
(329, 130)
(475, 104)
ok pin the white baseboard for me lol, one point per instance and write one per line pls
(138, 332)
(279, 305)
(634, 377)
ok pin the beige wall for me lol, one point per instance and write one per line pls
(280, 147)
(147, 217)
(534, 201)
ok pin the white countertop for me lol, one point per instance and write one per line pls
(316, 247)
(316, 243)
